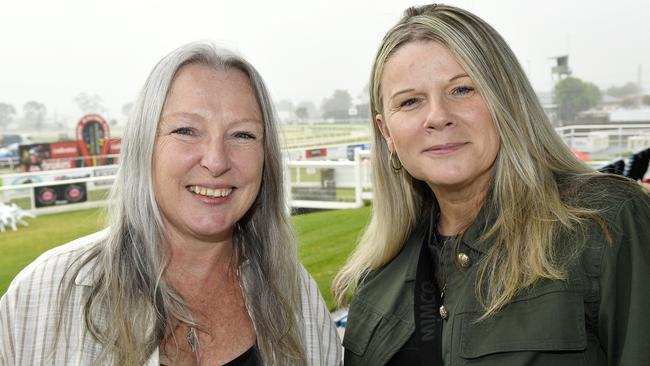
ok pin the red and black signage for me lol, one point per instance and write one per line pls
(93, 139)
(92, 146)
(60, 194)
(316, 153)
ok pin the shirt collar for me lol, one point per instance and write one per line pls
(481, 224)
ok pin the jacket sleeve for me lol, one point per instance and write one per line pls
(624, 313)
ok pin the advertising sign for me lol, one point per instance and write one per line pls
(354, 146)
(60, 194)
(93, 139)
(316, 153)
(91, 149)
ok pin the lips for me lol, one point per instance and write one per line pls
(445, 148)
(209, 192)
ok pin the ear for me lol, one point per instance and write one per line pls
(383, 128)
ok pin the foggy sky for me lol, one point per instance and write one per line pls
(50, 51)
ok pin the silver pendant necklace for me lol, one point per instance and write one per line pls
(193, 341)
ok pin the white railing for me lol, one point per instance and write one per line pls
(10, 163)
(606, 142)
(342, 178)
(620, 130)
(319, 184)
(332, 185)
(21, 188)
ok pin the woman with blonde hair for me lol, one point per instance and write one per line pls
(490, 243)
(199, 265)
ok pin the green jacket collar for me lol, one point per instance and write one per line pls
(479, 226)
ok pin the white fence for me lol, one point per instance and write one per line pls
(309, 184)
(92, 182)
(322, 184)
(606, 141)
(329, 184)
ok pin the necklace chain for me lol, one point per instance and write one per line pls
(192, 334)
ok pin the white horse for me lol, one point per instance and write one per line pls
(12, 215)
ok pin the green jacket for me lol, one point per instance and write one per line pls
(599, 316)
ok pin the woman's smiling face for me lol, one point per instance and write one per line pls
(209, 153)
(435, 120)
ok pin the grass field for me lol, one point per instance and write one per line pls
(326, 238)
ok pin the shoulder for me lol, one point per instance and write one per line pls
(313, 305)
(618, 239)
(382, 285)
(606, 193)
(322, 342)
(620, 203)
(31, 307)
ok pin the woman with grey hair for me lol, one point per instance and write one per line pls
(490, 242)
(199, 264)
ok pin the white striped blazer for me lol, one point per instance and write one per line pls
(29, 308)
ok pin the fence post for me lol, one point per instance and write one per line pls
(358, 186)
(286, 176)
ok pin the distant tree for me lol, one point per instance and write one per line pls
(622, 91)
(34, 114)
(573, 95)
(310, 107)
(338, 105)
(89, 103)
(7, 111)
(363, 110)
(645, 99)
(126, 109)
(302, 113)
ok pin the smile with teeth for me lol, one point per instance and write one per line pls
(209, 192)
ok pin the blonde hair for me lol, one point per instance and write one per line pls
(533, 168)
(130, 292)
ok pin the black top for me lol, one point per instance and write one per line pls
(424, 347)
(248, 358)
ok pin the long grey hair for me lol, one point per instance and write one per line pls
(130, 292)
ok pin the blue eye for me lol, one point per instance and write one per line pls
(184, 131)
(408, 102)
(245, 135)
(462, 90)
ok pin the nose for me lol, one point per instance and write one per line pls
(215, 157)
(439, 115)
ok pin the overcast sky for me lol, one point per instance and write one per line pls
(53, 50)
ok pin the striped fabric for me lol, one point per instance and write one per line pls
(29, 308)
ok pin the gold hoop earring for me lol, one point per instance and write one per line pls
(396, 166)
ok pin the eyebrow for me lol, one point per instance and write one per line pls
(197, 116)
(181, 114)
(459, 76)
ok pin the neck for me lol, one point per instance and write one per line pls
(193, 267)
(459, 208)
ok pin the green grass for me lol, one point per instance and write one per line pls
(19, 248)
(24, 202)
(326, 239)
(305, 176)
